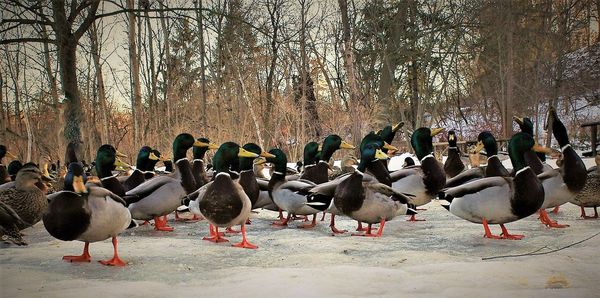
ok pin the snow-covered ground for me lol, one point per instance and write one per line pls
(440, 256)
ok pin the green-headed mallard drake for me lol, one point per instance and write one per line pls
(562, 184)
(21, 206)
(589, 196)
(159, 196)
(88, 214)
(378, 168)
(408, 162)
(199, 172)
(138, 176)
(13, 168)
(149, 166)
(368, 200)
(310, 158)
(388, 134)
(494, 167)
(423, 181)
(4, 175)
(293, 196)
(319, 172)
(223, 201)
(198, 168)
(310, 154)
(536, 160)
(454, 164)
(168, 167)
(107, 159)
(500, 200)
(247, 177)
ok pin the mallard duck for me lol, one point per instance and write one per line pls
(42, 184)
(310, 154)
(346, 166)
(247, 177)
(388, 133)
(107, 159)
(453, 165)
(292, 196)
(13, 168)
(198, 168)
(149, 169)
(88, 214)
(408, 162)
(159, 196)
(494, 167)
(536, 160)
(310, 158)
(199, 172)
(378, 168)
(423, 181)
(561, 185)
(368, 200)
(21, 206)
(168, 166)
(223, 201)
(589, 196)
(500, 200)
(143, 163)
(4, 176)
(319, 172)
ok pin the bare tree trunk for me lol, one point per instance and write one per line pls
(58, 119)
(26, 110)
(246, 97)
(67, 42)
(136, 100)
(348, 55)
(100, 82)
(153, 84)
(597, 17)
(199, 18)
(3, 117)
(15, 74)
(508, 102)
(413, 82)
(563, 15)
(389, 66)
(167, 70)
(274, 16)
(413, 69)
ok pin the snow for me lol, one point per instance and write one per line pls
(441, 256)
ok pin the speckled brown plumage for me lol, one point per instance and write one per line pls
(590, 194)
(22, 206)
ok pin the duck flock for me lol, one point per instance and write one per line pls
(76, 205)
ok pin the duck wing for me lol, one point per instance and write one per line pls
(192, 200)
(8, 216)
(263, 184)
(473, 187)
(147, 188)
(466, 176)
(403, 173)
(300, 186)
(548, 175)
(103, 192)
(390, 192)
(7, 185)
